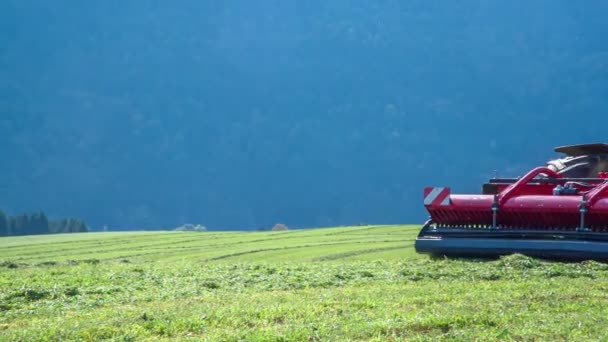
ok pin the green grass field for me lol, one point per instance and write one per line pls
(353, 283)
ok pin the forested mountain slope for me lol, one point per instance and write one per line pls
(241, 114)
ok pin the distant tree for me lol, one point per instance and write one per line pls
(19, 224)
(72, 225)
(78, 226)
(38, 224)
(4, 224)
(55, 226)
(64, 226)
(33, 223)
(188, 227)
(279, 227)
(44, 223)
(11, 225)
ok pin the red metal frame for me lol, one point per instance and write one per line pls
(527, 204)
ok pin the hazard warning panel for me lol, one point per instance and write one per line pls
(436, 196)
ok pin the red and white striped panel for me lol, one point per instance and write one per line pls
(436, 196)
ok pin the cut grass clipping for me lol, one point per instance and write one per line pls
(358, 283)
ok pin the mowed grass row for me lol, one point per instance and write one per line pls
(349, 283)
(298, 244)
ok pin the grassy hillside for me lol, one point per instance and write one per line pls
(357, 283)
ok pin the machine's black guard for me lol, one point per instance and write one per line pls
(492, 243)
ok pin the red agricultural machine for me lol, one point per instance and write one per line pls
(558, 211)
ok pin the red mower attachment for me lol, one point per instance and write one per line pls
(559, 211)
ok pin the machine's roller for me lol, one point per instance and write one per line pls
(559, 211)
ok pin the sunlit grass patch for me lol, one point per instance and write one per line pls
(356, 283)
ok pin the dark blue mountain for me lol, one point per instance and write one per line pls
(241, 114)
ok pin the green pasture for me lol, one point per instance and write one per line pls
(333, 284)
